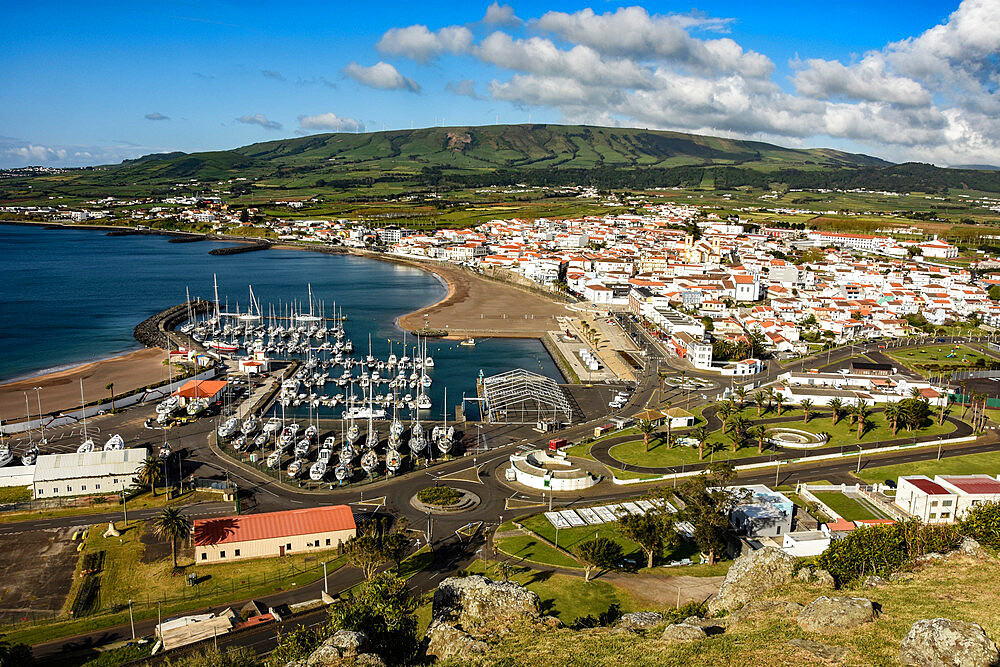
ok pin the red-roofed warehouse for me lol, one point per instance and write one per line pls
(273, 533)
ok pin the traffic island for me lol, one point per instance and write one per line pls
(444, 500)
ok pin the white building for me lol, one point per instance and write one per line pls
(90, 473)
(945, 498)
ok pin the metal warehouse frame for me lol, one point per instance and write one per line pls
(523, 397)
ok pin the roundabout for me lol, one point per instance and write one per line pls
(444, 500)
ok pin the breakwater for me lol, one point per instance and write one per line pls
(243, 247)
(151, 331)
(194, 238)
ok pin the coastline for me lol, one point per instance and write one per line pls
(473, 307)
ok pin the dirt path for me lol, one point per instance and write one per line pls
(666, 591)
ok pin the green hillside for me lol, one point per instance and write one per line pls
(397, 162)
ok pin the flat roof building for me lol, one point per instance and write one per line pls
(272, 533)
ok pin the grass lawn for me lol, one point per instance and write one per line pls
(564, 596)
(970, 464)
(534, 550)
(925, 360)
(659, 455)
(849, 508)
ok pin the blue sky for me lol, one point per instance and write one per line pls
(90, 84)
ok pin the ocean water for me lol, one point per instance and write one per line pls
(70, 296)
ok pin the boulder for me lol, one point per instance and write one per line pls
(348, 642)
(805, 574)
(640, 620)
(764, 608)
(752, 575)
(711, 626)
(368, 660)
(824, 578)
(342, 646)
(826, 614)
(445, 641)
(478, 602)
(823, 651)
(972, 549)
(682, 632)
(873, 582)
(942, 642)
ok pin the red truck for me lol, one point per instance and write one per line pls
(556, 443)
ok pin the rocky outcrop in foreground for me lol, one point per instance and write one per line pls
(751, 576)
(468, 609)
(342, 649)
(941, 642)
(825, 614)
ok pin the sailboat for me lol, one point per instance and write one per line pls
(393, 461)
(114, 442)
(165, 451)
(88, 444)
(295, 468)
(6, 456)
(250, 425)
(447, 433)
(342, 472)
(229, 427)
(369, 462)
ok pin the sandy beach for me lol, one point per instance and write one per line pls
(480, 307)
(61, 390)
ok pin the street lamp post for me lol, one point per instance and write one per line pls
(859, 458)
(130, 619)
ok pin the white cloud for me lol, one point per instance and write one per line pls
(930, 97)
(259, 119)
(498, 14)
(420, 44)
(19, 153)
(381, 75)
(332, 122)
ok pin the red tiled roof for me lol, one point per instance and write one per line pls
(974, 485)
(224, 530)
(201, 389)
(927, 486)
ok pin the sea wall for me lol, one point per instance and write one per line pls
(150, 332)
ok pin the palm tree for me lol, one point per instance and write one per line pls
(663, 376)
(892, 414)
(837, 406)
(174, 526)
(702, 435)
(724, 410)
(779, 399)
(861, 412)
(737, 430)
(741, 396)
(149, 474)
(759, 397)
(646, 428)
(111, 388)
(759, 433)
(806, 405)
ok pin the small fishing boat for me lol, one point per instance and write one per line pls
(30, 456)
(468, 342)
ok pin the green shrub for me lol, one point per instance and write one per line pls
(982, 523)
(880, 550)
(439, 495)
